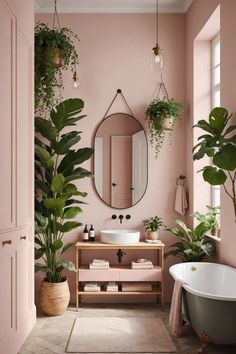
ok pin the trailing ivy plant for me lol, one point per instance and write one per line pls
(156, 113)
(192, 245)
(57, 165)
(219, 143)
(48, 76)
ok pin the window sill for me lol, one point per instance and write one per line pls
(215, 238)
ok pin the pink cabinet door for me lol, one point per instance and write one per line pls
(98, 275)
(154, 274)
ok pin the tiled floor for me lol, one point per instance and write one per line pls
(50, 334)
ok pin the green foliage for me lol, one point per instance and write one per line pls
(211, 218)
(220, 145)
(56, 165)
(156, 113)
(192, 246)
(154, 223)
(48, 77)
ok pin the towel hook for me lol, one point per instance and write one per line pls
(180, 180)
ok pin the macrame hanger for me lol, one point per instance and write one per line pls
(117, 93)
(55, 16)
(162, 87)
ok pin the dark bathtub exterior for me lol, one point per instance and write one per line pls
(217, 318)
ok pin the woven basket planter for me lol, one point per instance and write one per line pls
(152, 235)
(54, 297)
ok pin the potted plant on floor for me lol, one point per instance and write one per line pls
(56, 205)
(54, 52)
(211, 218)
(192, 245)
(161, 115)
(152, 225)
(219, 143)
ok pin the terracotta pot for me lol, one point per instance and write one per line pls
(168, 123)
(54, 297)
(53, 54)
(215, 231)
(152, 235)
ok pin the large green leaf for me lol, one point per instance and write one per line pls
(45, 128)
(204, 125)
(78, 173)
(44, 156)
(225, 158)
(74, 158)
(58, 183)
(209, 249)
(68, 265)
(66, 110)
(57, 244)
(70, 189)
(70, 213)
(39, 252)
(214, 176)
(201, 229)
(54, 203)
(66, 247)
(66, 142)
(217, 119)
(41, 219)
(69, 225)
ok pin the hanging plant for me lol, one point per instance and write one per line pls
(161, 115)
(54, 52)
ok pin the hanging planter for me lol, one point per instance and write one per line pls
(161, 115)
(54, 52)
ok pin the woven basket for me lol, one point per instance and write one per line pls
(54, 297)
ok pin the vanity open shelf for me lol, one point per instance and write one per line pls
(120, 273)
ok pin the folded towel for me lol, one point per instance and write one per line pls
(180, 199)
(175, 318)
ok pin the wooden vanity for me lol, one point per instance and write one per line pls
(120, 273)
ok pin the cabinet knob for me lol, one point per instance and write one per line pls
(7, 242)
(23, 237)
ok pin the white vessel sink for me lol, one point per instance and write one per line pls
(120, 236)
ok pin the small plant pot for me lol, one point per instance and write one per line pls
(168, 123)
(215, 231)
(53, 55)
(54, 297)
(152, 235)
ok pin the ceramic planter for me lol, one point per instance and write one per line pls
(54, 55)
(168, 123)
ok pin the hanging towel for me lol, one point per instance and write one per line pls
(180, 199)
(175, 319)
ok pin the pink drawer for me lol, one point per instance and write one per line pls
(98, 275)
(141, 275)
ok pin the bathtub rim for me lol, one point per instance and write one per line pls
(201, 293)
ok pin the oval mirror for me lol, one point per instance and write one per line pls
(120, 161)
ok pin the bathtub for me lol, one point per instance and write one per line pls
(209, 299)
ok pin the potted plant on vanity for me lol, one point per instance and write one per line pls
(161, 115)
(54, 52)
(192, 245)
(152, 225)
(56, 205)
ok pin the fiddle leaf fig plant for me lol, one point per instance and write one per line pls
(219, 143)
(54, 52)
(157, 113)
(192, 245)
(57, 165)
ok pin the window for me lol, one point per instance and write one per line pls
(215, 100)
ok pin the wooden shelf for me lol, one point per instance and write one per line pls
(120, 273)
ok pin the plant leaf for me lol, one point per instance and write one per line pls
(45, 128)
(69, 225)
(58, 183)
(66, 142)
(54, 203)
(44, 156)
(217, 118)
(66, 247)
(225, 158)
(70, 213)
(57, 244)
(214, 176)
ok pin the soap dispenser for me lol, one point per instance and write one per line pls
(91, 234)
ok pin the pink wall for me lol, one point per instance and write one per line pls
(115, 51)
(197, 17)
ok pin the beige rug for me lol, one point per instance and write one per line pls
(120, 335)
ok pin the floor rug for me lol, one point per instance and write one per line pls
(120, 335)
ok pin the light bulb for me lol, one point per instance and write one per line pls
(157, 61)
(75, 80)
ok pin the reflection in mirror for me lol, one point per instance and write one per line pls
(120, 161)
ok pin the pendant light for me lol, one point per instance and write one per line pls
(157, 62)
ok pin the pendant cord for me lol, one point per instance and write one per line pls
(55, 16)
(117, 93)
(157, 21)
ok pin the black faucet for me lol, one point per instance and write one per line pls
(120, 254)
(121, 217)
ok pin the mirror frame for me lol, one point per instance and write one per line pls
(93, 167)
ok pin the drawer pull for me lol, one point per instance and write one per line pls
(7, 242)
(23, 237)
